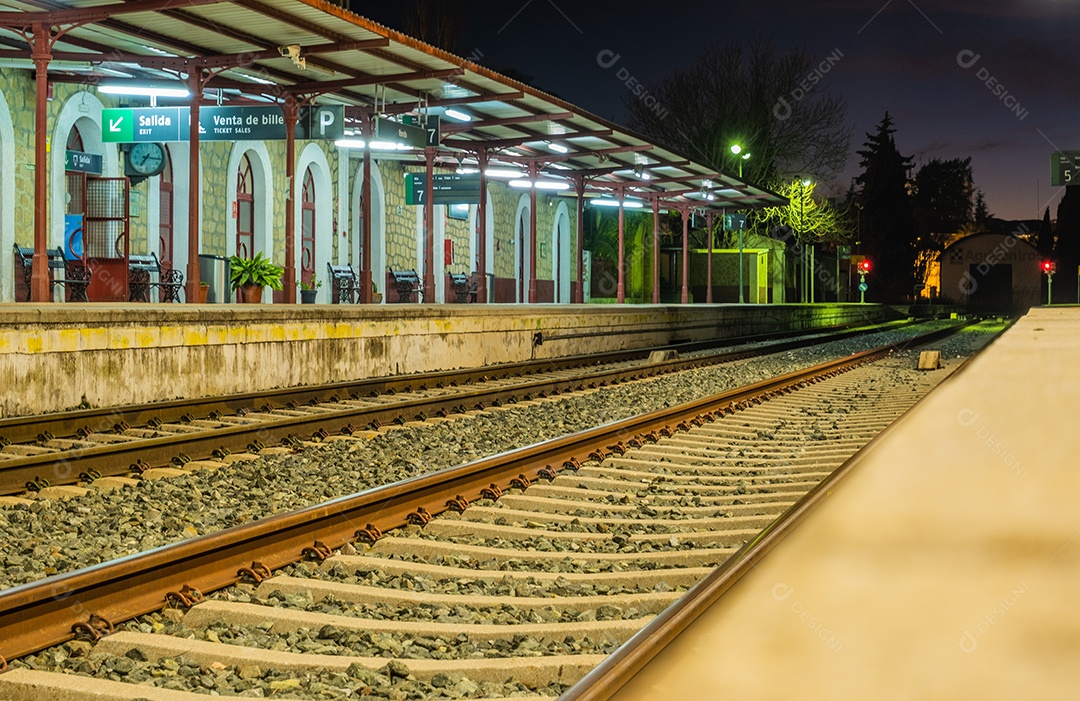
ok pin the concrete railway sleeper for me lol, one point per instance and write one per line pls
(125, 441)
(524, 591)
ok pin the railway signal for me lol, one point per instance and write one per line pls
(1049, 267)
(862, 266)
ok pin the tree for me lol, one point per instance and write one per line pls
(1067, 248)
(982, 212)
(887, 228)
(747, 96)
(1045, 241)
(941, 203)
(440, 23)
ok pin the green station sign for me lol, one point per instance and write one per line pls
(81, 162)
(227, 123)
(396, 132)
(448, 188)
(1065, 168)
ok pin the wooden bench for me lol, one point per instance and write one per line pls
(76, 275)
(140, 271)
(464, 287)
(344, 286)
(407, 284)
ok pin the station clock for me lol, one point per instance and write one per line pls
(144, 160)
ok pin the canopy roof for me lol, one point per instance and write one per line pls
(266, 50)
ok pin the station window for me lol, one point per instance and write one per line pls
(307, 229)
(245, 210)
(165, 219)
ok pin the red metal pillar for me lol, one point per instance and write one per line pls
(195, 87)
(481, 231)
(288, 280)
(685, 255)
(429, 227)
(579, 188)
(708, 285)
(656, 251)
(39, 272)
(532, 234)
(620, 290)
(365, 216)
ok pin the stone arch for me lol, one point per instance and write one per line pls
(378, 225)
(313, 157)
(474, 238)
(7, 197)
(560, 254)
(262, 172)
(83, 109)
(521, 242)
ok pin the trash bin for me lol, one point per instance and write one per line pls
(214, 271)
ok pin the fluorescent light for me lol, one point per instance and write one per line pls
(375, 145)
(627, 204)
(558, 148)
(503, 173)
(540, 184)
(467, 170)
(53, 65)
(144, 90)
(458, 115)
(559, 166)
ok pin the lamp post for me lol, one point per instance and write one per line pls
(808, 261)
(737, 149)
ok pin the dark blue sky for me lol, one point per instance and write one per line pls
(901, 56)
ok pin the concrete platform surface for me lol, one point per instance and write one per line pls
(944, 567)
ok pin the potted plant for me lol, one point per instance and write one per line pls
(308, 291)
(251, 275)
(204, 289)
(376, 296)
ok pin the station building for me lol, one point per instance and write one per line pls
(306, 203)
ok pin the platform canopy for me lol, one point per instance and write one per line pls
(270, 50)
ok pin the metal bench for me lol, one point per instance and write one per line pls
(76, 275)
(344, 286)
(464, 286)
(407, 284)
(141, 268)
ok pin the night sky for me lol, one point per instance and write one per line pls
(900, 56)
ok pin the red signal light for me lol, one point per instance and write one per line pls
(864, 266)
(1048, 266)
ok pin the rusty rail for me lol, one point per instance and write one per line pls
(92, 600)
(66, 467)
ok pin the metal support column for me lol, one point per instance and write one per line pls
(656, 250)
(429, 227)
(40, 289)
(579, 188)
(685, 299)
(482, 232)
(195, 87)
(708, 285)
(532, 234)
(620, 290)
(288, 280)
(366, 273)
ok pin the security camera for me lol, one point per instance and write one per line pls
(291, 51)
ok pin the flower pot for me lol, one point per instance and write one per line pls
(308, 296)
(203, 291)
(251, 294)
(376, 297)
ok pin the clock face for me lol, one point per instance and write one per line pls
(147, 158)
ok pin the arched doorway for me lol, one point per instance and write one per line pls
(560, 262)
(75, 182)
(521, 243)
(245, 209)
(378, 226)
(166, 241)
(307, 229)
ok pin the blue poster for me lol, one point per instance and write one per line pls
(73, 237)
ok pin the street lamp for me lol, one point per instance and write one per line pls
(737, 149)
(808, 262)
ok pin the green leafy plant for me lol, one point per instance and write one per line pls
(255, 272)
(315, 284)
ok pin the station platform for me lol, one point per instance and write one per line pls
(945, 566)
(105, 355)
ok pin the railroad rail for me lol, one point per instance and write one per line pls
(91, 601)
(114, 442)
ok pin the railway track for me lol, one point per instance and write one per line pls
(78, 447)
(559, 572)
